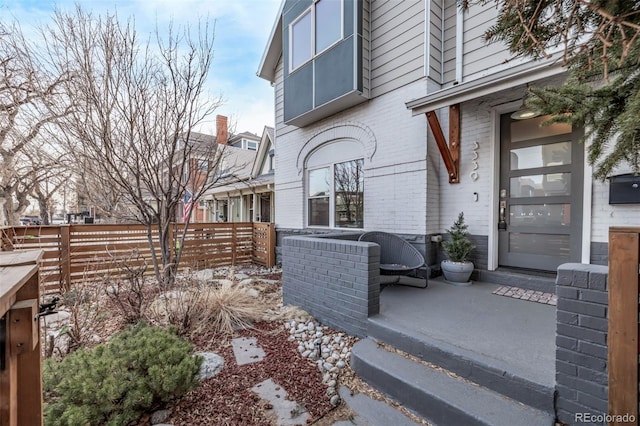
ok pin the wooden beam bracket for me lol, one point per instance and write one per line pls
(450, 152)
(23, 326)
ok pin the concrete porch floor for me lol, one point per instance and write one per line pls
(512, 335)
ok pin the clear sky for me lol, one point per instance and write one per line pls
(242, 29)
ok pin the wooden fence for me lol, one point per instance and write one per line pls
(20, 354)
(74, 253)
(623, 339)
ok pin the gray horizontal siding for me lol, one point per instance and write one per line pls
(397, 47)
(281, 128)
(366, 48)
(479, 55)
(435, 42)
(449, 42)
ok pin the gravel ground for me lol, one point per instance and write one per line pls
(227, 399)
(290, 361)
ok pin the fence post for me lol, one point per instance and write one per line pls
(624, 274)
(6, 244)
(21, 375)
(271, 245)
(65, 256)
(234, 242)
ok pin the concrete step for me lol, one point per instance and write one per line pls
(437, 396)
(539, 281)
(473, 366)
(371, 412)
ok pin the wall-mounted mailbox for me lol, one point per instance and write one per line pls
(624, 189)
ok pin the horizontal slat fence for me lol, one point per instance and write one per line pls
(89, 252)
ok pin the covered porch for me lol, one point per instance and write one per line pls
(515, 337)
(490, 359)
(461, 353)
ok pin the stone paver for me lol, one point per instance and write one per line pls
(287, 412)
(246, 350)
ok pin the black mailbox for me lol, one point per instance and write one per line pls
(624, 189)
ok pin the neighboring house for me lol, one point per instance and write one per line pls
(361, 87)
(244, 192)
(245, 140)
(206, 149)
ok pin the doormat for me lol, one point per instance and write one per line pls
(524, 294)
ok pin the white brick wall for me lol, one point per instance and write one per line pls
(451, 199)
(395, 176)
(476, 125)
(604, 215)
(397, 196)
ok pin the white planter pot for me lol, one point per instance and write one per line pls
(457, 273)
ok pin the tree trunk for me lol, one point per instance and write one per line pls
(44, 210)
(8, 216)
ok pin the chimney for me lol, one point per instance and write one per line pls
(222, 132)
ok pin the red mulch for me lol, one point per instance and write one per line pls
(227, 399)
(271, 276)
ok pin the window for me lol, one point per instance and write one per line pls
(328, 23)
(319, 189)
(314, 31)
(336, 195)
(252, 145)
(272, 153)
(301, 40)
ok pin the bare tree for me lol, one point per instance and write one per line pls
(51, 170)
(100, 192)
(31, 100)
(137, 104)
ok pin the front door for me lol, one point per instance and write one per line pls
(541, 179)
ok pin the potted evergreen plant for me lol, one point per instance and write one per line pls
(457, 268)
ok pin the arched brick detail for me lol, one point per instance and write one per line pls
(349, 130)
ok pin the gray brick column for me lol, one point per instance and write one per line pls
(581, 343)
(337, 281)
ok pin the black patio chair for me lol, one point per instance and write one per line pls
(399, 260)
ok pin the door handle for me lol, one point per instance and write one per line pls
(502, 223)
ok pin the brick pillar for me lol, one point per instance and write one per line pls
(581, 343)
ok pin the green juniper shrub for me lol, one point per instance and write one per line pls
(116, 383)
(458, 246)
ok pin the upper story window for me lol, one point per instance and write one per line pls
(246, 144)
(314, 31)
(272, 153)
(301, 40)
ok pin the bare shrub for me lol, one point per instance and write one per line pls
(125, 286)
(86, 315)
(176, 307)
